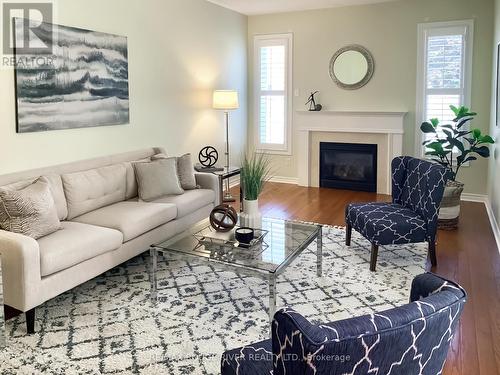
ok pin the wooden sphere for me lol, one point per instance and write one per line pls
(223, 218)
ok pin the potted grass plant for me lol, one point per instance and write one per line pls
(255, 172)
(453, 146)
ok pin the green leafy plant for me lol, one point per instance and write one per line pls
(255, 172)
(451, 145)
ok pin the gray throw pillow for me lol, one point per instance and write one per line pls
(185, 170)
(157, 178)
(30, 211)
(158, 157)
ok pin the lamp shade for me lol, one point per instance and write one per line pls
(225, 99)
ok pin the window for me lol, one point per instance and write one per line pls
(272, 86)
(444, 71)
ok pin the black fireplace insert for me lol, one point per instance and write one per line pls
(351, 166)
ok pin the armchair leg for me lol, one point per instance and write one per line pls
(373, 259)
(432, 253)
(30, 321)
(348, 234)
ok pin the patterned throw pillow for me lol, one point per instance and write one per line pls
(157, 179)
(30, 211)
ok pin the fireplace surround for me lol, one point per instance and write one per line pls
(385, 129)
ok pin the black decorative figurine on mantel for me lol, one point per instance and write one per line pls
(313, 107)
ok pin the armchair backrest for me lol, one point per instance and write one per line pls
(419, 185)
(410, 339)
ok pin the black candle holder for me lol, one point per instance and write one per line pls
(244, 235)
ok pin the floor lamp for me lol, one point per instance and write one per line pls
(226, 100)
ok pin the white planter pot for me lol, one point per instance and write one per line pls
(251, 216)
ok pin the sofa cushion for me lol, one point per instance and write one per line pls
(56, 188)
(75, 243)
(190, 201)
(89, 190)
(386, 223)
(131, 218)
(30, 211)
(157, 178)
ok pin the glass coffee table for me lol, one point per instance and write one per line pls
(284, 241)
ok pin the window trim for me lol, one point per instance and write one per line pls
(286, 148)
(435, 28)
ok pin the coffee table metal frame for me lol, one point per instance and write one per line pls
(266, 275)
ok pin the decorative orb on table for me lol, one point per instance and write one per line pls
(208, 156)
(223, 218)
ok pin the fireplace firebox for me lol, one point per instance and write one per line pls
(351, 166)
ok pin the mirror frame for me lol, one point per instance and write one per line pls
(369, 73)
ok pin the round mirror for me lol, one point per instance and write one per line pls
(352, 67)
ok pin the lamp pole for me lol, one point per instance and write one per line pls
(226, 100)
(227, 196)
(226, 114)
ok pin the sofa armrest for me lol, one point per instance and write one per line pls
(21, 269)
(427, 284)
(209, 181)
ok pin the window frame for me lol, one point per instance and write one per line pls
(259, 41)
(464, 27)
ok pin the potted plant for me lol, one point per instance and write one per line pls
(255, 172)
(453, 146)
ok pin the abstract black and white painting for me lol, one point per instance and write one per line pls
(84, 84)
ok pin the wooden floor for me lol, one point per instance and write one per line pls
(468, 255)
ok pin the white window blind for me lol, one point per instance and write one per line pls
(272, 91)
(444, 68)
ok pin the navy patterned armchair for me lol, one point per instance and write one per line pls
(411, 339)
(411, 217)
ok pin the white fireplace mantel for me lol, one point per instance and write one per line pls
(387, 125)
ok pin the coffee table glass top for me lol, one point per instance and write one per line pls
(283, 242)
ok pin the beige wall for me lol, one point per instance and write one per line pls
(179, 51)
(494, 177)
(389, 31)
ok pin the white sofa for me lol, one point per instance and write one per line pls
(103, 225)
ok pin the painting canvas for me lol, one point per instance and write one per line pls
(84, 85)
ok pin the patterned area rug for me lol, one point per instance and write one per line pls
(108, 325)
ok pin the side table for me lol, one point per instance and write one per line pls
(226, 174)
(2, 313)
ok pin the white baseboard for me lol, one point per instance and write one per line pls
(481, 198)
(493, 222)
(285, 180)
(468, 197)
(234, 181)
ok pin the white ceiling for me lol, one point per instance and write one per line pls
(253, 7)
